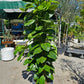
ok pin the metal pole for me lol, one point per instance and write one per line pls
(60, 32)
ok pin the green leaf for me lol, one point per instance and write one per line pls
(30, 55)
(39, 28)
(32, 48)
(42, 79)
(54, 1)
(18, 49)
(30, 35)
(50, 15)
(48, 4)
(36, 2)
(34, 11)
(47, 68)
(27, 61)
(48, 21)
(45, 46)
(37, 82)
(41, 60)
(53, 7)
(52, 55)
(50, 37)
(29, 22)
(20, 56)
(35, 76)
(40, 7)
(50, 76)
(32, 67)
(37, 51)
(22, 9)
(24, 32)
(40, 69)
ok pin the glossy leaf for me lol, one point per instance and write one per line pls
(39, 28)
(53, 7)
(52, 55)
(47, 21)
(30, 55)
(20, 56)
(50, 37)
(47, 68)
(18, 49)
(40, 7)
(35, 76)
(41, 60)
(33, 67)
(32, 48)
(37, 51)
(30, 35)
(42, 79)
(53, 1)
(40, 69)
(27, 61)
(29, 22)
(50, 76)
(45, 46)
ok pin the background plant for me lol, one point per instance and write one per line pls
(42, 53)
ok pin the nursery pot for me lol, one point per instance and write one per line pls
(75, 40)
(33, 82)
(7, 53)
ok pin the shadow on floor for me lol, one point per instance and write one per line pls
(28, 75)
(76, 70)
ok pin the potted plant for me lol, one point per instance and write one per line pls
(42, 52)
(81, 37)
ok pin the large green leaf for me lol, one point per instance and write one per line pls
(27, 61)
(53, 1)
(35, 76)
(50, 76)
(41, 60)
(20, 56)
(29, 22)
(18, 49)
(48, 68)
(52, 55)
(30, 35)
(45, 46)
(41, 69)
(42, 79)
(40, 7)
(53, 7)
(39, 28)
(50, 37)
(47, 21)
(32, 67)
(30, 55)
(32, 48)
(37, 51)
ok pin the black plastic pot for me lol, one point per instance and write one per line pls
(33, 82)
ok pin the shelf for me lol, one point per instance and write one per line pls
(16, 30)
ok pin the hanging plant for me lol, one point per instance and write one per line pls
(42, 53)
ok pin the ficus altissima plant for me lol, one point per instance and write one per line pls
(39, 29)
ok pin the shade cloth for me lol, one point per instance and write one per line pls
(12, 4)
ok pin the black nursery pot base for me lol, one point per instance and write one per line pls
(33, 82)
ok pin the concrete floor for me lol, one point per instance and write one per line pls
(13, 72)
